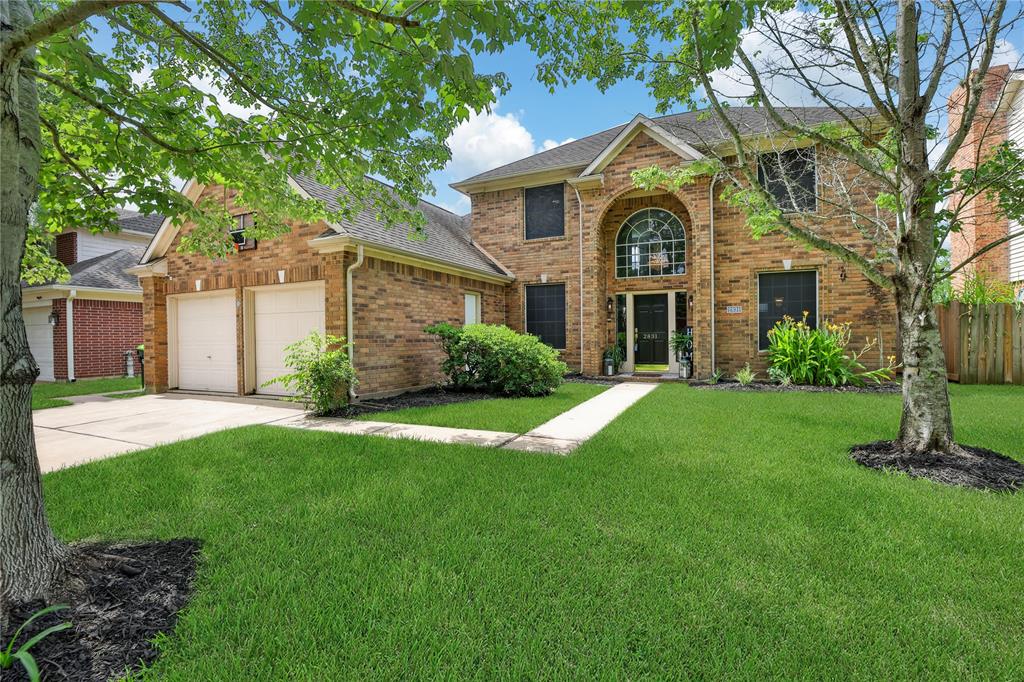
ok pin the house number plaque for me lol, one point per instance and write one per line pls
(734, 309)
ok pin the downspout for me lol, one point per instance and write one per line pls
(69, 324)
(350, 324)
(579, 200)
(711, 231)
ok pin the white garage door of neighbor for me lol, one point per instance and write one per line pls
(282, 316)
(206, 343)
(40, 339)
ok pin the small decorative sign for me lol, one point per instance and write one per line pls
(734, 309)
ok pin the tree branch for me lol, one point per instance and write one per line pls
(981, 252)
(366, 13)
(55, 136)
(61, 20)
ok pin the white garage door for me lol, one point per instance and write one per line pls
(40, 339)
(206, 343)
(282, 316)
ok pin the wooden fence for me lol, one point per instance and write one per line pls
(984, 344)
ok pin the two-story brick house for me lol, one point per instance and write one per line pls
(560, 244)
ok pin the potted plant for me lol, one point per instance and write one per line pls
(682, 345)
(613, 358)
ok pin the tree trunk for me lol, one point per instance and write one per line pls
(926, 423)
(33, 563)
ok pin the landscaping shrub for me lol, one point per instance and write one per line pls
(322, 373)
(818, 355)
(495, 359)
(746, 375)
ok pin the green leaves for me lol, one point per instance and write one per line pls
(8, 656)
(147, 96)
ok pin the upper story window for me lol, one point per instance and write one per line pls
(651, 243)
(545, 211)
(237, 232)
(791, 177)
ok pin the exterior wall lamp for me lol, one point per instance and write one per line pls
(53, 319)
(611, 305)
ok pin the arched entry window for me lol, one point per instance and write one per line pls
(651, 243)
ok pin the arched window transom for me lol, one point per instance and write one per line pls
(651, 243)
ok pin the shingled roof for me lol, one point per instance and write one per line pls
(447, 237)
(143, 224)
(107, 271)
(697, 128)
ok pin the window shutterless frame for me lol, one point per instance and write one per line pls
(636, 260)
(556, 334)
(817, 299)
(538, 192)
(813, 156)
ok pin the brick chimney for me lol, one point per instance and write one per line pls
(982, 223)
(67, 248)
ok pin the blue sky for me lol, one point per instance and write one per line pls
(528, 115)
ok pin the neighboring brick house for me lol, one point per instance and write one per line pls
(631, 265)
(1000, 118)
(82, 328)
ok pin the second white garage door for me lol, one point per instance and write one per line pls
(283, 315)
(40, 339)
(206, 343)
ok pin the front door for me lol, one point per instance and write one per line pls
(650, 313)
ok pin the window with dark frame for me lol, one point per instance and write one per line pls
(545, 211)
(545, 313)
(790, 176)
(785, 293)
(243, 222)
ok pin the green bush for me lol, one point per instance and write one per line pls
(818, 355)
(495, 359)
(322, 373)
(746, 375)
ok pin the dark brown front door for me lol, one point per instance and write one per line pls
(650, 313)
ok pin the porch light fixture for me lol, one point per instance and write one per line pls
(53, 319)
(611, 305)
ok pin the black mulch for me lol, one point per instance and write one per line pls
(766, 387)
(586, 379)
(133, 592)
(428, 397)
(974, 468)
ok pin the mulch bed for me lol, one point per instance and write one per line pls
(766, 387)
(974, 468)
(428, 397)
(133, 592)
(584, 379)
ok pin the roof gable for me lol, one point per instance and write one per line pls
(641, 123)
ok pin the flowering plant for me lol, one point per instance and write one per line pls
(818, 356)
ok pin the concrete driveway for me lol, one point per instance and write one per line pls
(79, 433)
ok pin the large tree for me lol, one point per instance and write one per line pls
(108, 101)
(879, 73)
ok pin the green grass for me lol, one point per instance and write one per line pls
(703, 534)
(514, 415)
(49, 395)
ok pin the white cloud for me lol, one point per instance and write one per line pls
(206, 85)
(1006, 53)
(491, 139)
(769, 56)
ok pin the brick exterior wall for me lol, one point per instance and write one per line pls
(982, 222)
(103, 331)
(844, 294)
(392, 303)
(66, 246)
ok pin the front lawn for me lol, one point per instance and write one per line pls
(703, 534)
(514, 415)
(49, 395)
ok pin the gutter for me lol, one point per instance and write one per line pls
(579, 200)
(711, 234)
(350, 317)
(69, 328)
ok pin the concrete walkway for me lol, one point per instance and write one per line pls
(561, 435)
(95, 429)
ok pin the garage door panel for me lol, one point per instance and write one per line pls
(280, 318)
(40, 339)
(206, 344)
